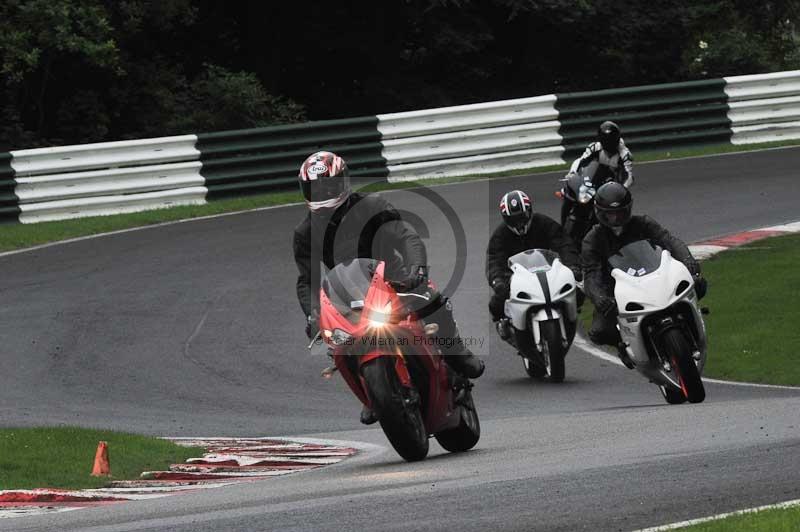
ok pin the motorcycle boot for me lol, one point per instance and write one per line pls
(456, 354)
(368, 416)
(622, 352)
(504, 329)
(462, 360)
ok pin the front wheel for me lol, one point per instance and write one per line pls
(553, 350)
(679, 352)
(466, 435)
(672, 396)
(399, 414)
(534, 371)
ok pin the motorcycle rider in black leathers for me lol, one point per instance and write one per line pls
(607, 159)
(342, 225)
(521, 230)
(618, 228)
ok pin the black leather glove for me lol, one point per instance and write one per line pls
(694, 268)
(607, 306)
(700, 287)
(312, 324)
(500, 286)
(418, 275)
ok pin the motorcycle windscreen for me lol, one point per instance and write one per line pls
(637, 258)
(347, 284)
(534, 260)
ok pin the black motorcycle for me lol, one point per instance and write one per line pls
(577, 211)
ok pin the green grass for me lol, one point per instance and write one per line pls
(783, 520)
(753, 327)
(63, 457)
(17, 236)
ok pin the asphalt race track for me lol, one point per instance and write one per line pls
(193, 329)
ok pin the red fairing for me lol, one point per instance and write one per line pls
(382, 300)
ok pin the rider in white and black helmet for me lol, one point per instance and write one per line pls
(522, 229)
(618, 227)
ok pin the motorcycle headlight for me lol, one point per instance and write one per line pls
(379, 318)
(338, 336)
(585, 194)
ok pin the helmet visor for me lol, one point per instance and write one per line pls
(518, 224)
(609, 142)
(323, 189)
(614, 217)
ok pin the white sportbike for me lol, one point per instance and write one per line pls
(542, 310)
(660, 321)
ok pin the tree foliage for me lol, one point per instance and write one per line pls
(90, 70)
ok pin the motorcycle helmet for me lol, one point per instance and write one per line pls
(517, 211)
(324, 180)
(608, 134)
(612, 205)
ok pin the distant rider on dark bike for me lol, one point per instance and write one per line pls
(607, 158)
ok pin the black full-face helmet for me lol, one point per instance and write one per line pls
(608, 134)
(613, 204)
(517, 211)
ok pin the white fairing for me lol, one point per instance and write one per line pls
(653, 292)
(527, 290)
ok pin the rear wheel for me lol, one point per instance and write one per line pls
(553, 350)
(467, 433)
(679, 351)
(399, 414)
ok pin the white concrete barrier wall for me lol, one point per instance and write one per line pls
(109, 182)
(104, 155)
(764, 107)
(115, 204)
(471, 139)
(107, 178)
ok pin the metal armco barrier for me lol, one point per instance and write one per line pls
(112, 177)
(256, 160)
(650, 116)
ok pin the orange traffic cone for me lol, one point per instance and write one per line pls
(101, 466)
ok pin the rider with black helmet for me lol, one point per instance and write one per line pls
(342, 225)
(522, 229)
(618, 228)
(606, 159)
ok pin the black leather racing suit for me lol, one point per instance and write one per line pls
(367, 226)
(544, 233)
(600, 244)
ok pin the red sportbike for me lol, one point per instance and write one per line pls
(390, 360)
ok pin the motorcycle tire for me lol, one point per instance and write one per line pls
(533, 370)
(551, 335)
(466, 435)
(678, 349)
(672, 396)
(400, 420)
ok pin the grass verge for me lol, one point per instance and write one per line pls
(752, 329)
(17, 236)
(778, 520)
(62, 457)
